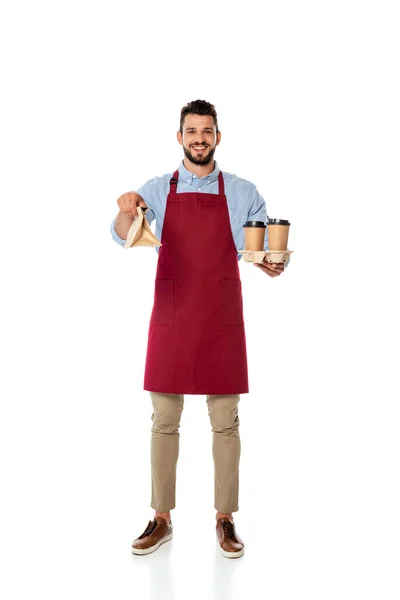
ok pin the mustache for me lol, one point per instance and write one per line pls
(197, 144)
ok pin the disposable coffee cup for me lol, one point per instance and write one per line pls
(278, 234)
(254, 235)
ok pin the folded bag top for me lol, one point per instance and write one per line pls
(139, 233)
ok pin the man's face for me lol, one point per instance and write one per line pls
(199, 138)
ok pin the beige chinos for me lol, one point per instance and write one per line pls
(224, 419)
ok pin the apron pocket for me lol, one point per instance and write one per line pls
(231, 302)
(164, 305)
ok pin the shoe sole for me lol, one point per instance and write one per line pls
(152, 548)
(231, 554)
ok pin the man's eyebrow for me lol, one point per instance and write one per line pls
(195, 128)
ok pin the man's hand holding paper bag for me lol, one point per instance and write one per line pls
(133, 206)
(129, 202)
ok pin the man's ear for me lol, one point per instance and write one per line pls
(218, 138)
(179, 138)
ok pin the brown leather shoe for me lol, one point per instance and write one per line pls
(156, 533)
(230, 543)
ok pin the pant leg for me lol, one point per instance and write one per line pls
(167, 411)
(223, 412)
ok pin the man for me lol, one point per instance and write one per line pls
(196, 342)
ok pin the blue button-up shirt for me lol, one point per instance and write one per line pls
(244, 201)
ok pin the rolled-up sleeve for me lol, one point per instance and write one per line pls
(115, 235)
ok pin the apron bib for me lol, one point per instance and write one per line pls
(196, 342)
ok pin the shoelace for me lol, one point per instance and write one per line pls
(228, 529)
(150, 528)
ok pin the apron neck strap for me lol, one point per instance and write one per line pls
(173, 182)
(221, 187)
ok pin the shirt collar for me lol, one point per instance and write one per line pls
(188, 177)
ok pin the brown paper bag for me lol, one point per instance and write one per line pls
(140, 233)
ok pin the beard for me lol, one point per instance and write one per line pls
(199, 160)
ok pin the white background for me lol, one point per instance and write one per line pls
(307, 95)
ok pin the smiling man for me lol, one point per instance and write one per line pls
(196, 341)
(194, 128)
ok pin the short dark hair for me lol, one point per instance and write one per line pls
(198, 107)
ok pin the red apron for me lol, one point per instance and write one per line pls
(196, 342)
